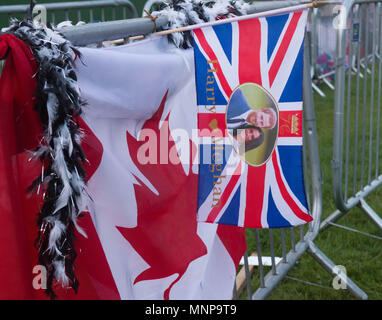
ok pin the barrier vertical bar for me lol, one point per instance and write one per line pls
(91, 16)
(358, 61)
(283, 247)
(102, 14)
(247, 275)
(338, 116)
(310, 139)
(293, 242)
(259, 257)
(372, 99)
(349, 70)
(314, 41)
(305, 165)
(234, 292)
(379, 26)
(364, 104)
(301, 233)
(271, 245)
(67, 15)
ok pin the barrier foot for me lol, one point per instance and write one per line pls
(335, 271)
(282, 268)
(371, 213)
(328, 83)
(318, 90)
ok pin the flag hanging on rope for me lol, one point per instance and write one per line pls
(249, 97)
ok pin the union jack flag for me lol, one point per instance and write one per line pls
(267, 53)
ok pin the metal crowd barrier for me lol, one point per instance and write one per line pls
(96, 33)
(87, 11)
(299, 240)
(324, 26)
(278, 249)
(323, 23)
(149, 4)
(357, 136)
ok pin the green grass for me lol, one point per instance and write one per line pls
(361, 255)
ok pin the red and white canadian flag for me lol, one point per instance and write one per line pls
(143, 240)
(141, 115)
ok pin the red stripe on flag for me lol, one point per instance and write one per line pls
(273, 70)
(290, 124)
(226, 194)
(211, 55)
(255, 196)
(212, 125)
(285, 194)
(249, 51)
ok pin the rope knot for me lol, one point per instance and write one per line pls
(153, 19)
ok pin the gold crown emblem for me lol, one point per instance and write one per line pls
(292, 123)
(295, 124)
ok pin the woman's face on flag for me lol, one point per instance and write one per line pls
(247, 134)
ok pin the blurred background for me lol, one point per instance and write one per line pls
(87, 15)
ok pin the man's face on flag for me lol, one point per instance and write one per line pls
(261, 118)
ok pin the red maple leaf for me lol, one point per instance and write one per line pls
(166, 232)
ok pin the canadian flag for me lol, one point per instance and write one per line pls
(143, 240)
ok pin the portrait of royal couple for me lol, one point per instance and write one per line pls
(247, 125)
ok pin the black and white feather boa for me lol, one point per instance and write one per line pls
(181, 13)
(62, 158)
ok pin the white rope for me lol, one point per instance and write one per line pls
(308, 282)
(355, 230)
(238, 18)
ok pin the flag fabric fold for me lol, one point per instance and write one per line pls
(19, 130)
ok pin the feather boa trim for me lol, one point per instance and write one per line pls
(62, 158)
(181, 13)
